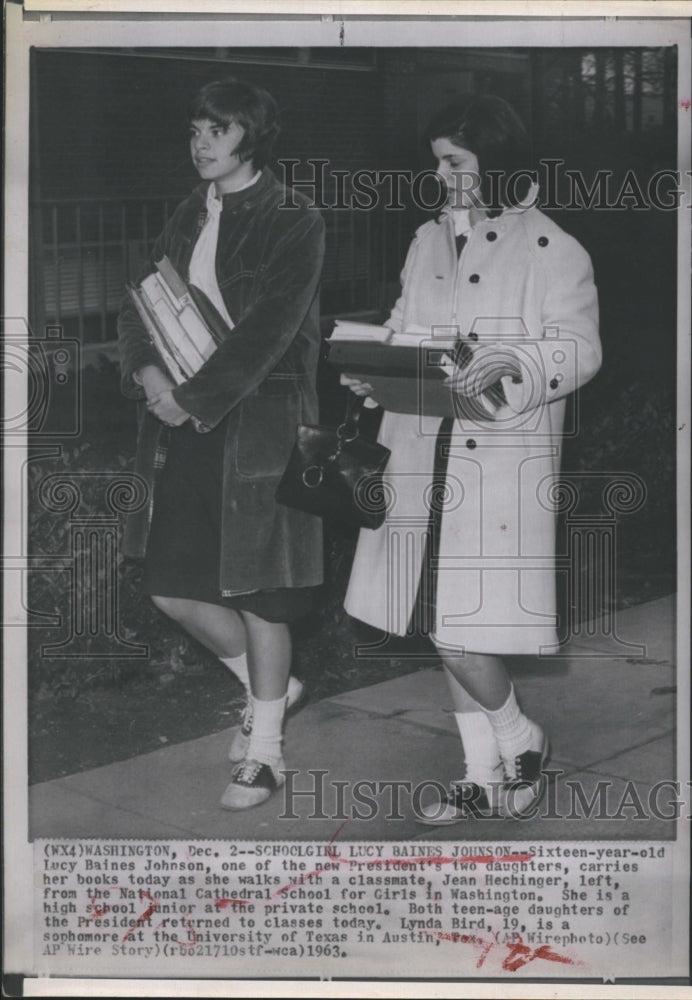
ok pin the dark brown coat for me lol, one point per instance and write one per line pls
(262, 376)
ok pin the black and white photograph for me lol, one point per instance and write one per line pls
(347, 487)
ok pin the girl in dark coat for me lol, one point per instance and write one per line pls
(221, 557)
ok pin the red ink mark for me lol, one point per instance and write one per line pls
(546, 952)
(331, 854)
(685, 104)
(292, 885)
(476, 942)
(221, 902)
(191, 933)
(484, 954)
(519, 953)
(143, 917)
(97, 913)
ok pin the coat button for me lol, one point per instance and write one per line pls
(543, 241)
(554, 383)
(491, 236)
(474, 279)
(473, 335)
(470, 443)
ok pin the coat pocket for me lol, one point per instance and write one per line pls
(267, 429)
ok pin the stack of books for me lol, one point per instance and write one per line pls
(369, 333)
(173, 321)
(409, 372)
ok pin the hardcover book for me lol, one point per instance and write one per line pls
(409, 371)
(173, 320)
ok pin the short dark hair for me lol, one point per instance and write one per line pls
(253, 108)
(490, 128)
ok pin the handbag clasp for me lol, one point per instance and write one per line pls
(312, 476)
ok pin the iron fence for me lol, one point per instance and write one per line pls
(83, 251)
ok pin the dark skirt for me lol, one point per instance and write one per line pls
(184, 543)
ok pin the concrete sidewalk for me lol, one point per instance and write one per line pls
(608, 707)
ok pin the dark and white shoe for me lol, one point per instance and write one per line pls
(464, 800)
(525, 781)
(295, 695)
(252, 783)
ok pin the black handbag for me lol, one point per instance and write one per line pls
(335, 473)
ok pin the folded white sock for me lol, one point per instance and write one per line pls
(514, 732)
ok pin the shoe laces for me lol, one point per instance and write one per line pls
(460, 782)
(247, 770)
(246, 717)
(514, 767)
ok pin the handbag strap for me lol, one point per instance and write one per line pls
(349, 429)
(345, 433)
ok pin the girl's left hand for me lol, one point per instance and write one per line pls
(165, 408)
(488, 364)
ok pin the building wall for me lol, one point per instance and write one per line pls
(115, 124)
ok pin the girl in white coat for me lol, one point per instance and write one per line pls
(472, 517)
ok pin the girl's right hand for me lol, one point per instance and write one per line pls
(355, 385)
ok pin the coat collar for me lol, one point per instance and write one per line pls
(246, 197)
(476, 216)
(530, 201)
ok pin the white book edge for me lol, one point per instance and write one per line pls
(414, 339)
(150, 321)
(156, 289)
(368, 332)
(196, 328)
(181, 332)
(180, 346)
(347, 330)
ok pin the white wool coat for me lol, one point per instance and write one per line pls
(523, 289)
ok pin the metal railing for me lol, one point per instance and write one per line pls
(83, 251)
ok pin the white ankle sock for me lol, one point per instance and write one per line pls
(238, 666)
(513, 731)
(265, 739)
(481, 753)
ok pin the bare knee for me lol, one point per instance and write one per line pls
(174, 607)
